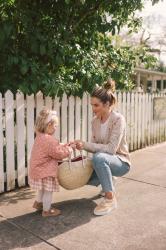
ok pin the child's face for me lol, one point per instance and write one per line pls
(51, 128)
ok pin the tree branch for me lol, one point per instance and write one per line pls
(85, 15)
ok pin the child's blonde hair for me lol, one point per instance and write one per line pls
(45, 116)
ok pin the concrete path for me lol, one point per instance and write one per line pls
(139, 222)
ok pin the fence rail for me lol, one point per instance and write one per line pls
(18, 113)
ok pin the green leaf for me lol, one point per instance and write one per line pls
(34, 47)
(82, 1)
(7, 29)
(34, 87)
(42, 50)
(58, 60)
(24, 69)
(67, 1)
(15, 60)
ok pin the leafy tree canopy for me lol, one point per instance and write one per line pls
(61, 46)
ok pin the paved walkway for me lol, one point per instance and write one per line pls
(139, 222)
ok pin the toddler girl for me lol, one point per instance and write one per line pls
(43, 169)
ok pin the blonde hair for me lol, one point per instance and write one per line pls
(45, 117)
(106, 92)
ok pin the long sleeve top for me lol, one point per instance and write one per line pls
(45, 154)
(114, 141)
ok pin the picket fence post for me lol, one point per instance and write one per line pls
(30, 104)
(20, 140)
(71, 119)
(10, 147)
(56, 106)
(2, 175)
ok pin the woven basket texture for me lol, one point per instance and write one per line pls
(75, 175)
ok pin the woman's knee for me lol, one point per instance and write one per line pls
(98, 158)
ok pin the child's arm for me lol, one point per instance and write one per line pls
(58, 151)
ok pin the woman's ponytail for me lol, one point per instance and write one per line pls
(106, 92)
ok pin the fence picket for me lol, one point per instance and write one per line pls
(162, 127)
(77, 120)
(139, 118)
(20, 114)
(56, 107)
(90, 116)
(89, 122)
(136, 121)
(158, 127)
(71, 119)
(146, 120)
(152, 122)
(2, 176)
(84, 118)
(150, 119)
(119, 102)
(142, 119)
(48, 102)
(128, 118)
(165, 129)
(63, 124)
(132, 122)
(84, 135)
(124, 104)
(30, 125)
(10, 147)
(39, 102)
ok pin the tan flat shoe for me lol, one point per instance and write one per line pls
(51, 212)
(106, 206)
(38, 205)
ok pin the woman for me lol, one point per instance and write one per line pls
(111, 156)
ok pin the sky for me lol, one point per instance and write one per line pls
(154, 20)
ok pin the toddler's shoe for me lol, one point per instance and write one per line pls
(51, 212)
(38, 205)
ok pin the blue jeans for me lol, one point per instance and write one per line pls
(106, 166)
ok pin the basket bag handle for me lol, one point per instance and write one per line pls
(82, 159)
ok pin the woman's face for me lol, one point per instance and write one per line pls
(98, 107)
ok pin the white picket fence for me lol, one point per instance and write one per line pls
(17, 116)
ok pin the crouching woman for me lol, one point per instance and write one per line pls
(108, 144)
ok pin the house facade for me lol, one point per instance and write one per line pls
(149, 80)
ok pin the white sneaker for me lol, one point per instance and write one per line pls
(106, 206)
(114, 179)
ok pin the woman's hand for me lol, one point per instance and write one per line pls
(73, 145)
(79, 144)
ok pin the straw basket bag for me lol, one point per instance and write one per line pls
(75, 173)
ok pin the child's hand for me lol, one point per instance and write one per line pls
(72, 145)
(70, 150)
